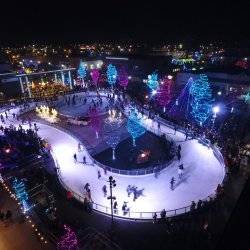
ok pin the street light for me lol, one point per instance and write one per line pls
(112, 184)
(216, 110)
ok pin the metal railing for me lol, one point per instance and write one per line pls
(119, 213)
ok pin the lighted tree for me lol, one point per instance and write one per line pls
(111, 75)
(182, 103)
(112, 124)
(95, 121)
(247, 98)
(82, 72)
(152, 82)
(123, 77)
(21, 194)
(68, 241)
(164, 93)
(95, 74)
(201, 99)
(113, 140)
(134, 126)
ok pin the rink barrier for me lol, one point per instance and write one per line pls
(119, 213)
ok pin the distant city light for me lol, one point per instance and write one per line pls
(219, 93)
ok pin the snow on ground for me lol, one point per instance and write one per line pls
(203, 172)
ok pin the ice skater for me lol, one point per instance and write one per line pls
(115, 207)
(125, 208)
(104, 190)
(179, 155)
(79, 147)
(180, 172)
(154, 218)
(135, 193)
(99, 174)
(129, 190)
(84, 159)
(172, 181)
(75, 158)
(87, 186)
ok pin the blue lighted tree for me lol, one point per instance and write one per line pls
(134, 126)
(201, 99)
(111, 74)
(152, 82)
(82, 72)
(21, 194)
(247, 98)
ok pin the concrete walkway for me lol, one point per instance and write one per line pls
(17, 234)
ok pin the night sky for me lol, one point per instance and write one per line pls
(123, 20)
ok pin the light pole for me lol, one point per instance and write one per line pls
(112, 184)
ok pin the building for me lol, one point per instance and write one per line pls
(223, 83)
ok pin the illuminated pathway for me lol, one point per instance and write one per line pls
(203, 172)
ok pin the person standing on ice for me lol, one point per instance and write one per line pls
(115, 207)
(75, 158)
(79, 147)
(179, 155)
(172, 181)
(180, 172)
(86, 187)
(104, 190)
(84, 159)
(99, 174)
(175, 128)
(129, 191)
(154, 218)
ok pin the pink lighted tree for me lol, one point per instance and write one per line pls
(95, 121)
(68, 241)
(164, 94)
(123, 78)
(95, 74)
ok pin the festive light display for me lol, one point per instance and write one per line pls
(82, 72)
(21, 194)
(48, 114)
(123, 77)
(182, 104)
(247, 98)
(113, 140)
(134, 126)
(201, 102)
(27, 217)
(95, 121)
(95, 74)
(68, 241)
(164, 93)
(112, 123)
(152, 82)
(111, 74)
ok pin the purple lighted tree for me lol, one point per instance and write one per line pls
(95, 121)
(123, 77)
(164, 94)
(95, 74)
(68, 241)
